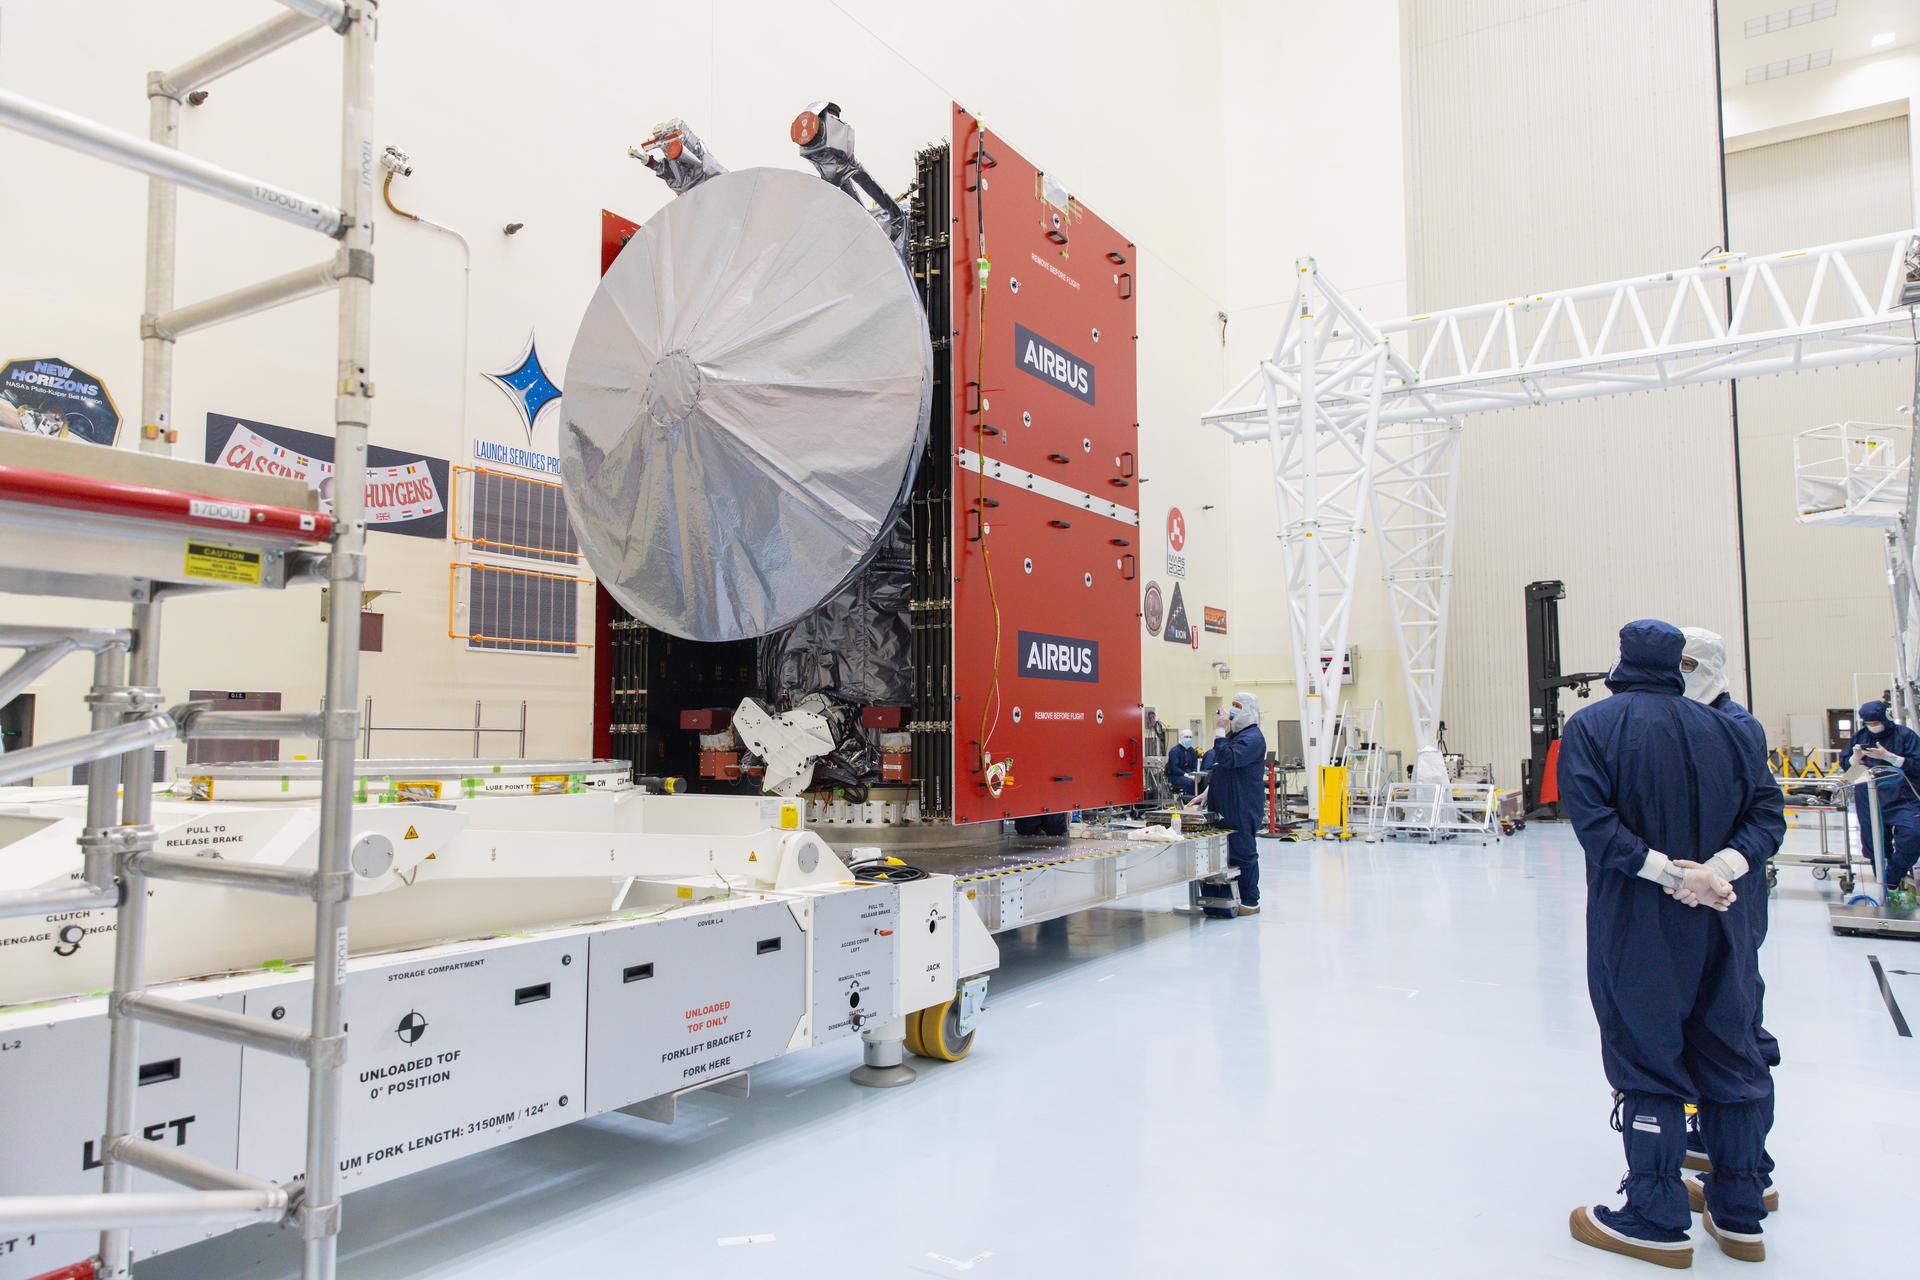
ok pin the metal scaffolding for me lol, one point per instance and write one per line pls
(1364, 420)
(128, 718)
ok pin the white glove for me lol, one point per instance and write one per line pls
(1728, 864)
(1702, 887)
(1898, 762)
(1219, 734)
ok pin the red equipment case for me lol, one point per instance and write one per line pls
(1046, 555)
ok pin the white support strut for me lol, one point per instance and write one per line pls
(1365, 419)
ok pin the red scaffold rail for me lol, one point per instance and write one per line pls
(168, 506)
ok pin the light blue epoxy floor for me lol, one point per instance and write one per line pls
(1392, 1072)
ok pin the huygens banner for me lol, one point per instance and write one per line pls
(406, 492)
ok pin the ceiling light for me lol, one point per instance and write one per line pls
(1882, 40)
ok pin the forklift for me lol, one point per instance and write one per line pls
(1539, 775)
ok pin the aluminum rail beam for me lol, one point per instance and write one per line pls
(246, 300)
(293, 882)
(78, 133)
(36, 902)
(33, 664)
(217, 1024)
(91, 639)
(197, 722)
(319, 1212)
(130, 934)
(229, 56)
(189, 1170)
(123, 1209)
(16, 766)
(331, 12)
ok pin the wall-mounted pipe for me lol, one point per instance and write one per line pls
(398, 165)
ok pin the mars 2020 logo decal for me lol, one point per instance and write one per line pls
(1176, 544)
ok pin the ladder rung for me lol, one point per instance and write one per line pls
(103, 1210)
(292, 881)
(188, 1170)
(236, 1028)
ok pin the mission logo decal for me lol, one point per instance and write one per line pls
(1045, 657)
(1052, 364)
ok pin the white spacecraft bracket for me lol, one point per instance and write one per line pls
(1354, 411)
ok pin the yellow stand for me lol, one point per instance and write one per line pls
(1333, 801)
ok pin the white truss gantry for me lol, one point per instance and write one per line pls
(1365, 418)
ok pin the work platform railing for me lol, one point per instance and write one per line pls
(128, 717)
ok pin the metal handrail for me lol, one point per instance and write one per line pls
(97, 744)
(81, 134)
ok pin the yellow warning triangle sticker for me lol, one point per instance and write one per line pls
(412, 834)
(752, 857)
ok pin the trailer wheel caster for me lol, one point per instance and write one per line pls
(938, 1031)
(1819, 873)
(915, 1045)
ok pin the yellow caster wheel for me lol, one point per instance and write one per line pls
(937, 1031)
(913, 1035)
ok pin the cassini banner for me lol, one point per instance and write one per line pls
(406, 492)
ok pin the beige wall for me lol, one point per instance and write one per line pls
(1818, 596)
(1550, 146)
(1314, 140)
(512, 120)
(1857, 91)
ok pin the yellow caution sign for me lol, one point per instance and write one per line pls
(222, 564)
(789, 817)
(413, 833)
(752, 856)
(684, 891)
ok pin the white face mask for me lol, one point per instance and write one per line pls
(1876, 728)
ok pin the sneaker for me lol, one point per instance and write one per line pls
(1247, 909)
(1623, 1231)
(1697, 1195)
(1739, 1245)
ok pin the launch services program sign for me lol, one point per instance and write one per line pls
(406, 492)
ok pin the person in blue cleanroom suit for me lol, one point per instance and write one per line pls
(1237, 790)
(1181, 762)
(1677, 815)
(1893, 752)
(1703, 662)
